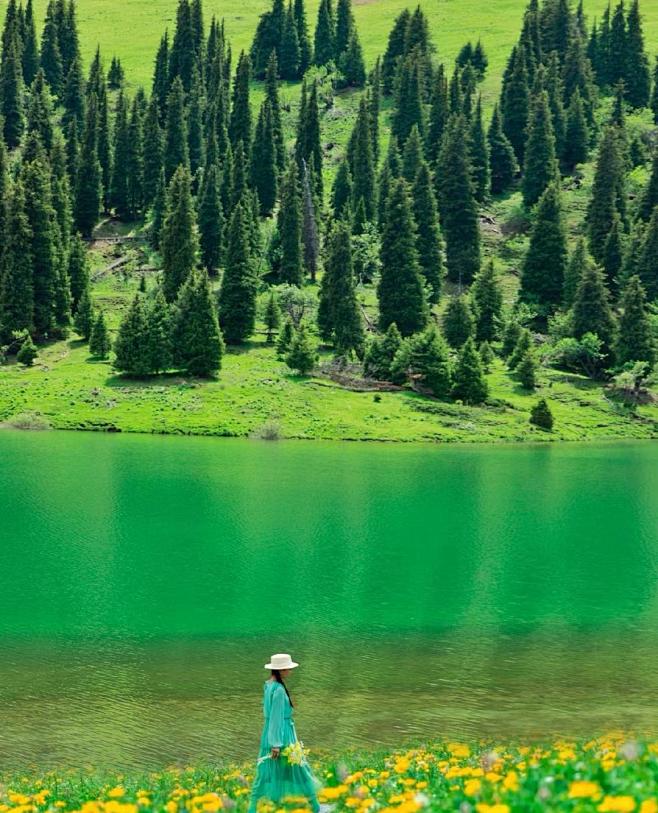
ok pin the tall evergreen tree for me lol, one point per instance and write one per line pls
(515, 103)
(649, 199)
(591, 308)
(211, 221)
(307, 146)
(400, 291)
(89, 193)
(363, 169)
(30, 50)
(542, 277)
(339, 316)
(647, 261)
(458, 321)
(341, 193)
(502, 161)
(272, 96)
(394, 50)
(576, 142)
(237, 297)
(179, 237)
(153, 152)
(540, 166)
(574, 271)
(240, 123)
(608, 192)
(158, 332)
(470, 384)
(438, 115)
(305, 50)
(289, 52)
(131, 346)
(487, 299)
(16, 281)
(99, 338)
(176, 150)
(289, 225)
(429, 241)
(264, 161)
(12, 103)
(324, 47)
(635, 340)
(197, 339)
(637, 77)
(119, 181)
(409, 108)
(352, 64)
(51, 57)
(457, 207)
(479, 155)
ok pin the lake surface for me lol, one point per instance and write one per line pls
(426, 591)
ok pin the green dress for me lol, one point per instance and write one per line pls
(275, 778)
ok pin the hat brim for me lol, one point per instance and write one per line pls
(291, 665)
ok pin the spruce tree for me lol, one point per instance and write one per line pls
(74, 95)
(271, 316)
(131, 345)
(198, 344)
(40, 112)
(487, 298)
(211, 221)
(394, 50)
(264, 161)
(479, 155)
(526, 370)
(541, 415)
(289, 225)
(324, 47)
(176, 150)
(412, 155)
(470, 384)
(158, 212)
(617, 48)
(438, 115)
(78, 269)
(362, 164)
(542, 277)
(99, 340)
(27, 352)
(649, 199)
(608, 193)
(289, 52)
(179, 237)
(12, 104)
(84, 315)
(613, 255)
(515, 103)
(16, 282)
(272, 96)
(381, 352)
(352, 64)
(635, 339)
(400, 291)
(310, 236)
(158, 333)
(51, 57)
(502, 161)
(591, 311)
(637, 77)
(424, 359)
(653, 103)
(576, 141)
(409, 108)
(305, 50)
(647, 261)
(308, 147)
(195, 135)
(457, 207)
(344, 26)
(119, 181)
(285, 337)
(339, 316)
(487, 356)
(511, 336)
(341, 192)
(429, 241)
(458, 321)
(237, 296)
(522, 346)
(30, 50)
(574, 271)
(540, 165)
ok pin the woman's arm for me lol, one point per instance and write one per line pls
(275, 726)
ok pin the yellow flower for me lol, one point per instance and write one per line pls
(401, 765)
(458, 749)
(649, 806)
(328, 794)
(584, 789)
(472, 787)
(422, 784)
(617, 804)
(484, 808)
(492, 776)
(116, 793)
(511, 781)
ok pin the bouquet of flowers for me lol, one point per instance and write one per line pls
(293, 754)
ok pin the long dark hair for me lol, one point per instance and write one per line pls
(279, 679)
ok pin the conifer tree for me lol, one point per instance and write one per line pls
(289, 225)
(119, 181)
(394, 50)
(515, 103)
(264, 161)
(647, 261)
(30, 50)
(27, 353)
(324, 47)
(429, 241)
(272, 96)
(424, 359)
(271, 316)
(78, 270)
(487, 298)
(438, 115)
(344, 25)
(305, 50)
(591, 308)
(176, 150)
(308, 147)
(649, 199)
(310, 237)
(542, 277)
(16, 283)
(74, 95)
(131, 345)
(502, 161)
(84, 315)
(179, 239)
(339, 316)
(301, 355)
(479, 155)
(211, 221)
(457, 207)
(635, 340)
(576, 141)
(158, 333)
(51, 57)
(237, 296)
(617, 48)
(487, 356)
(526, 370)
(511, 336)
(470, 384)
(12, 103)
(608, 193)
(541, 415)
(400, 291)
(653, 103)
(522, 346)
(381, 352)
(285, 338)
(613, 255)
(40, 112)
(363, 170)
(341, 192)
(540, 165)
(158, 212)
(195, 136)
(409, 108)
(458, 321)
(574, 271)
(160, 87)
(637, 76)
(198, 344)
(99, 339)
(352, 64)
(289, 52)
(412, 155)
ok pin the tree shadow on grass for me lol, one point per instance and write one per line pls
(168, 380)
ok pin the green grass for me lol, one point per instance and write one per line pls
(131, 29)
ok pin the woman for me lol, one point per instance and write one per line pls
(275, 777)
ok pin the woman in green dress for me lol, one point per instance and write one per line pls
(275, 776)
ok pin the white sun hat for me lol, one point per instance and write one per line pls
(281, 661)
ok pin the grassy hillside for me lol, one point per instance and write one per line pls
(131, 29)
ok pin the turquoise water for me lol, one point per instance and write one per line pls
(457, 591)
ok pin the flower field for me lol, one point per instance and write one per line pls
(611, 773)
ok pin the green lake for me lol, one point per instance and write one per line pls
(427, 591)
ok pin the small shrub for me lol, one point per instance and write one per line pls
(542, 416)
